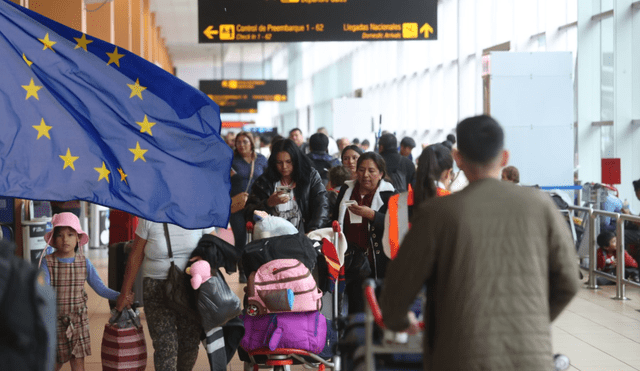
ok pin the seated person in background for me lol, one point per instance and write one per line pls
(337, 176)
(511, 174)
(612, 204)
(607, 258)
(632, 229)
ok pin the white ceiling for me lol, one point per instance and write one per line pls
(178, 20)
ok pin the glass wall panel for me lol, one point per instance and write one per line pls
(606, 69)
(606, 5)
(607, 134)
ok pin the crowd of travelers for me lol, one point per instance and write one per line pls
(405, 225)
(368, 190)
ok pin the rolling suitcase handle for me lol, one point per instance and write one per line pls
(249, 227)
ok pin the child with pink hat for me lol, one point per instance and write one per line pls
(66, 270)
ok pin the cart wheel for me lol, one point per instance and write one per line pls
(252, 310)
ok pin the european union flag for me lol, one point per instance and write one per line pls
(83, 119)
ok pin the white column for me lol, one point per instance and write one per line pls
(625, 132)
(588, 92)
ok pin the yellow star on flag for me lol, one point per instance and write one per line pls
(82, 42)
(68, 160)
(32, 90)
(123, 176)
(115, 57)
(43, 129)
(145, 125)
(104, 173)
(136, 89)
(26, 60)
(47, 43)
(138, 152)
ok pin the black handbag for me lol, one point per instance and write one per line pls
(356, 263)
(217, 304)
(178, 293)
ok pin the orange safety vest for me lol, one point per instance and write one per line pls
(399, 225)
(442, 192)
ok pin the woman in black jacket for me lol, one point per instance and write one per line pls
(290, 188)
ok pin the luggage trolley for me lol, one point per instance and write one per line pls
(280, 358)
(373, 317)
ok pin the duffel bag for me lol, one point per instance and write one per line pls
(305, 331)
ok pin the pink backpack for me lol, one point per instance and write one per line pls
(282, 285)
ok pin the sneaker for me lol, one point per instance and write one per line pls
(561, 362)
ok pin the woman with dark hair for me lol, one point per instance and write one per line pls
(349, 157)
(290, 188)
(247, 166)
(435, 166)
(360, 209)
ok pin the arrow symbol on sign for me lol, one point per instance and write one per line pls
(425, 29)
(209, 32)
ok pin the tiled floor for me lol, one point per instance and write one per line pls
(595, 331)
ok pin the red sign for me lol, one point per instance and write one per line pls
(610, 171)
(236, 124)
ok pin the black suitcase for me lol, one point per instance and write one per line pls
(294, 246)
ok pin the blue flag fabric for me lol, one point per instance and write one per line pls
(81, 119)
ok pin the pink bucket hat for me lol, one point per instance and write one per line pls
(67, 220)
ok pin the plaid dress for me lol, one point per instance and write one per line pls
(68, 279)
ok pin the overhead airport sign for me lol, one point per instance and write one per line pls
(239, 107)
(245, 90)
(242, 96)
(232, 21)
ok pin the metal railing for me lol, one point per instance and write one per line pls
(619, 279)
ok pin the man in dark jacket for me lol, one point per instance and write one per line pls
(499, 264)
(322, 161)
(400, 169)
(296, 136)
(407, 144)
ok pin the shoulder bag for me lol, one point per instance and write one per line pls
(178, 293)
(217, 304)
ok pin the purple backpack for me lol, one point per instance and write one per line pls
(295, 330)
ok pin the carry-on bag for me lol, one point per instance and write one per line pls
(305, 330)
(124, 347)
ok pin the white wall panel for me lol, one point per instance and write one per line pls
(435, 93)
